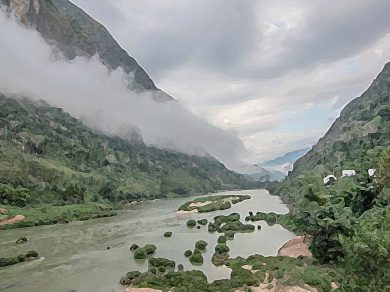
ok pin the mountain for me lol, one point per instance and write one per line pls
(285, 162)
(357, 136)
(258, 173)
(75, 33)
(49, 157)
(347, 218)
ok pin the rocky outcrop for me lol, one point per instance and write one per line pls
(295, 247)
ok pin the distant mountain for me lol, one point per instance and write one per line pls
(258, 173)
(289, 157)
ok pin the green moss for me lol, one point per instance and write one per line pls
(222, 248)
(139, 254)
(212, 227)
(202, 221)
(222, 239)
(201, 244)
(191, 223)
(196, 259)
(162, 262)
(150, 249)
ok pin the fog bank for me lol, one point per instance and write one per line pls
(88, 90)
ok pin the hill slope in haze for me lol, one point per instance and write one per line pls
(48, 157)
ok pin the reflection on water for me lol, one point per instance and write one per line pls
(75, 256)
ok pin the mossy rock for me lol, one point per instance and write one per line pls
(188, 253)
(31, 254)
(201, 244)
(139, 254)
(22, 240)
(130, 277)
(229, 234)
(162, 262)
(202, 221)
(212, 227)
(222, 248)
(222, 239)
(150, 249)
(134, 247)
(8, 261)
(180, 267)
(220, 259)
(258, 227)
(191, 223)
(168, 234)
(196, 259)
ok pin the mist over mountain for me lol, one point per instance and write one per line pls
(75, 64)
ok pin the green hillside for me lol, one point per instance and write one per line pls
(349, 219)
(49, 157)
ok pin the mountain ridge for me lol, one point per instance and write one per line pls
(75, 33)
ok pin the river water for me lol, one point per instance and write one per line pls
(74, 256)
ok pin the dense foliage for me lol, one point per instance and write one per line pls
(349, 218)
(48, 157)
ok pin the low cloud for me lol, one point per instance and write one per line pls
(87, 90)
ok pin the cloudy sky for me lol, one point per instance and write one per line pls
(276, 72)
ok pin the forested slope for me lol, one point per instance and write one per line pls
(349, 219)
(48, 157)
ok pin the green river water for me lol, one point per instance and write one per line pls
(74, 256)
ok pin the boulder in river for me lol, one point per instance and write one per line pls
(22, 240)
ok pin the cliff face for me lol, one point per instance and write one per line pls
(75, 33)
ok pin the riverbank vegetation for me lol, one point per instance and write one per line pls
(50, 159)
(349, 218)
(212, 203)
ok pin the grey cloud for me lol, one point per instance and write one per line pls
(220, 35)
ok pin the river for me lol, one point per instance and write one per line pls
(74, 256)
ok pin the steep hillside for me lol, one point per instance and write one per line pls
(357, 136)
(48, 157)
(348, 218)
(75, 33)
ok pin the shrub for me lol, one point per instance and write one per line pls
(222, 248)
(196, 259)
(161, 262)
(191, 223)
(150, 248)
(202, 221)
(139, 254)
(222, 239)
(201, 244)
(212, 227)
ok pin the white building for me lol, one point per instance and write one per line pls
(329, 179)
(348, 172)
